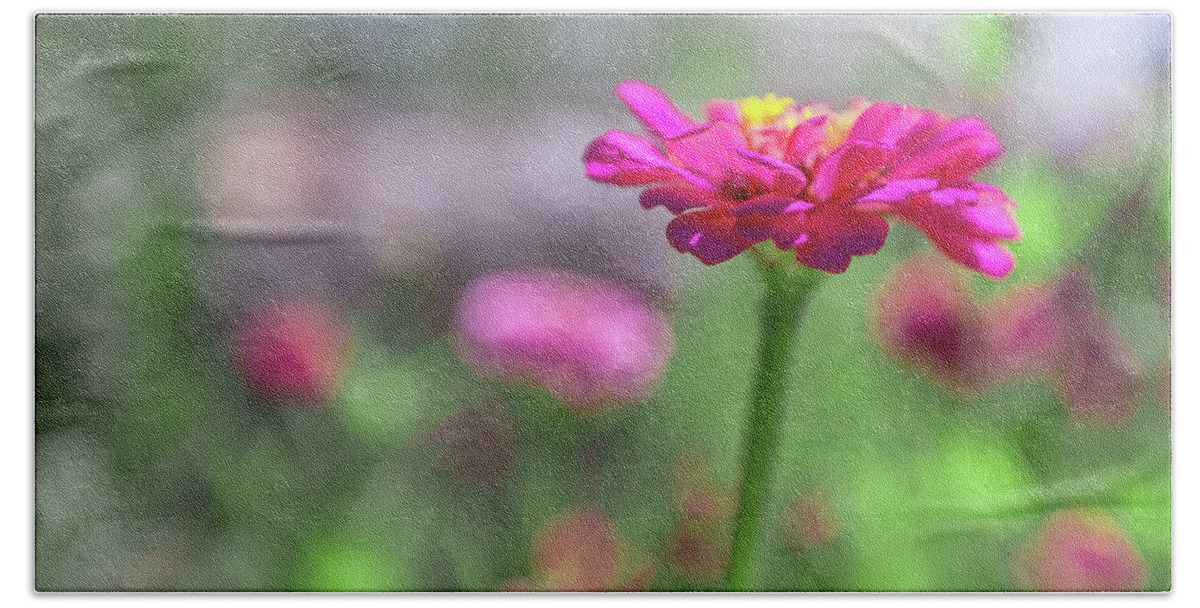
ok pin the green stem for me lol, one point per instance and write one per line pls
(787, 297)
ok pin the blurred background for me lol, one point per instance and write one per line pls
(212, 187)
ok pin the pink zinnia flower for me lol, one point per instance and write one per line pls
(592, 344)
(1080, 550)
(811, 179)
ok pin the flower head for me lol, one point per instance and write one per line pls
(590, 343)
(1080, 550)
(811, 179)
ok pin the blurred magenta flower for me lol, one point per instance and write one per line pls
(581, 550)
(811, 179)
(293, 352)
(925, 315)
(1079, 550)
(592, 344)
(1094, 370)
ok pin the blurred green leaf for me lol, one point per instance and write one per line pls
(337, 562)
(381, 402)
(977, 48)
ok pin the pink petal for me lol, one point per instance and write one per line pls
(899, 191)
(968, 234)
(755, 228)
(991, 221)
(874, 121)
(770, 204)
(784, 172)
(837, 236)
(954, 156)
(714, 151)
(948, 197)
(625, 159)
(806, 140)
(842, 171)
(709, 235)
(724, 110)
(895, 125)
(654, 109)
(676, 198)
(988, 257)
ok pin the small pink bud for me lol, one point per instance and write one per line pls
(809, 522)
(292, 352)
(580, 550)
(700, 548)
(924, 315)
(699, 552)
(592, 344)
(1080, 550)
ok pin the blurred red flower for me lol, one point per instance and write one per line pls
(292, 352)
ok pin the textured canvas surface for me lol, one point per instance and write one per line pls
(803, 302)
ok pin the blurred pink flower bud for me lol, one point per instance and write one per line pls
(591, 344)
(292, 352)
(1079, 550)
(1096, 375)
(925, 315)
(578, 551)
(478, 445)
(699, 552)
(700, 548)
(809, 522)
(581, 550)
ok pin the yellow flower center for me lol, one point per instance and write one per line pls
(759, 112)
